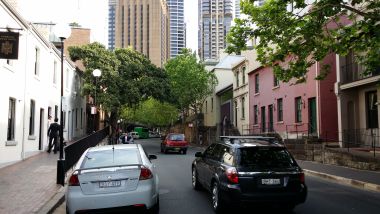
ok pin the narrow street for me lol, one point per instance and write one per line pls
(177, 195)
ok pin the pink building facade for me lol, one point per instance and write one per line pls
(294, 110)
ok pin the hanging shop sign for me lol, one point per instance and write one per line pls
(9, 45)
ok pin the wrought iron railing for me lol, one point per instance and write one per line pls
(354, 72)
(75, 150)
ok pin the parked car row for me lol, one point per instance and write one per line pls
(236, 170)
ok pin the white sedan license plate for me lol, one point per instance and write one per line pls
(105, 184)
(270, 181)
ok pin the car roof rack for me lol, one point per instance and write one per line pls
(251, 137)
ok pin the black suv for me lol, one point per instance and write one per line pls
(249, 170)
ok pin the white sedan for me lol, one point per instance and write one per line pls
(113, 178)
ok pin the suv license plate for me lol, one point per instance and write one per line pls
(270, 181)
(105, 184)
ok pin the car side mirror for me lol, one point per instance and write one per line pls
(198, 154)
(152, 157)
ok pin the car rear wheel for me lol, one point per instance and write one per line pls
(184, 151)
(156, 208)
(217, 202)
(194, 180)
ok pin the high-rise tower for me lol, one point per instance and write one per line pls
(215, 17)
(144, 26)
(111, 24)
(177, 27)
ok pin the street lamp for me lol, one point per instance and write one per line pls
(62, 32)
(96, 73)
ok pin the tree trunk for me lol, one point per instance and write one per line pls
(114, 126)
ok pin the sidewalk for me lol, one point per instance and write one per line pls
(30, 185)
(369, 180)
(27, 185)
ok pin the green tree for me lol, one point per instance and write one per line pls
(190, 82)
(128, 77)
(151, 113)
(304, 33)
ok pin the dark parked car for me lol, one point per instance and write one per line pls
(248, 170)
(174, 142)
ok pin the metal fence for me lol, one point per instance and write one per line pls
(363, 138)
(75, 150)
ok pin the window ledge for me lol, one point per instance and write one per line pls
(11, 143)
(280, 122)
(257, 94)
(275, 87)
(32, 137)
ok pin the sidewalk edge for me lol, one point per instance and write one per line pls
(347, 181)
(54, 202)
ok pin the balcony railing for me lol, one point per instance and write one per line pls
(354, 72)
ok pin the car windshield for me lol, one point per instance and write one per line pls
(110, 157)
(177, 137)
(265, 157)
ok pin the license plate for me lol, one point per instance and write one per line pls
(106, 184)
(270, 181)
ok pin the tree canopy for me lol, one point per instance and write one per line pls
(127, 78)
(303, 32)
(151, 113)
(190, 83)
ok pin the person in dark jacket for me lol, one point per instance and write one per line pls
(53, 133)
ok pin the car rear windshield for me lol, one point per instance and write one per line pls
(111, 157)
(177, 137)
(264, 157)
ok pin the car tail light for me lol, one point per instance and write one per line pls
(74, 181)
(232, 175)
(145, 173)
(302, 177)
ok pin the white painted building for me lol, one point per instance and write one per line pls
(30, 90)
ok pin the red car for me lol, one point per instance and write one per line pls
(174, 142)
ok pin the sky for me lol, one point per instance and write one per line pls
(93, 14)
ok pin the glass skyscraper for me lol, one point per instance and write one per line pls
(215, 17)
(111, 24)
(177, 26)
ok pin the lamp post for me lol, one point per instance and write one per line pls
(96, 73)
(62, 32)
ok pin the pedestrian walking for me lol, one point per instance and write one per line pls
(53, 133)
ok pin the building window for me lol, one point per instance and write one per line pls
(372, 111)
(255, 114)
(206, 106)
(279, 110)
(81, 118)
(237, 79)
(276, 82)
(212, 104)
(63, 120)
(31, 117)
(67, 79)
(11, 119)
(243, 75)
(243, 108)
(76, 118)
(257, 86)
(37, 61)
(49, 112)
(298, 108)
(55, 73)
(147, 31)
(142, 29)
(55, 111)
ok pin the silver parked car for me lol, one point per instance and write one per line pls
(113, 178)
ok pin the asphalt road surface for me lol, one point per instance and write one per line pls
(178, 197)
